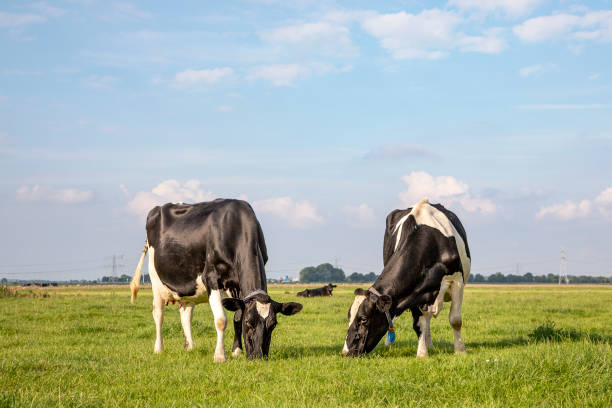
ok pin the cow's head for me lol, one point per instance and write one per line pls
(259, 320)
(367, 322)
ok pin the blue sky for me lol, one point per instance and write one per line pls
(324, 115)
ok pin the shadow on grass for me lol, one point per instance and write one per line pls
(548, 332)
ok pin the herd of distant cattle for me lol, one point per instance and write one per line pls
(215, 252)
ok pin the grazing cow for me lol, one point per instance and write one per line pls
(426, 262)
(199, 253)
(324, 291)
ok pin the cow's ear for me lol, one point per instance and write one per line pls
(360, 292)
(383, 303)
(290, 308)
(233, 304)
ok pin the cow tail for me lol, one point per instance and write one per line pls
(262, 243)
(135, 283)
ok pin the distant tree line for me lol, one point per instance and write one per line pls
(328, 273)
(499, 277)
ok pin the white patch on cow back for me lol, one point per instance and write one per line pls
(426, 214)
(263, 309)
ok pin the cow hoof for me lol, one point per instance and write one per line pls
(158, 351)
(422, 355)
(219, 359)
(237, 352)
(460, 351)
(188, 347)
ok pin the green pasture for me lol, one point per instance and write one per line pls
(526, 346)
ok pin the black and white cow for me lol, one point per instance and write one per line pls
(426, 262)
(199, 253)
(324, 291)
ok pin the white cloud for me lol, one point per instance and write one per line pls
(530, 70)
(566, 211)
(37, 193)
(225, 108)
(16, 20)
(125, 11)
(322, 36)
(605, 197)
(604, 201)
(509, 7)
(301, 214)
(489, 43)
(287, 74)
(570, 210)
(430, 34)
(46, 9)
(202, 76)
(361, 212)
(593, 77)
(590, 26)
(444, 189)
(101, 81)
(169, 191)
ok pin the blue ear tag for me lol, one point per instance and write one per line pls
(391, 335)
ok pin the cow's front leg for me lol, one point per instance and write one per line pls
(186, 311)
(158, 316)
(237, 347)
(220, 323)
(454, 316)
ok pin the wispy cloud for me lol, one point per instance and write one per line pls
(101, 81)
(38, 193)
(225, 108)
(321, 37)
(286, 74)
(47, 9)
(400, 151)
(211, 76)
(20, 19)
(512, 8)
(530, 70)
(124, 11)
(362, 212)
(552, 106)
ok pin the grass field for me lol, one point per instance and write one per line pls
(90, 347)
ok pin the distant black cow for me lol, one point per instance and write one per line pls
(324, 291)
(198, 253)
(426, 262)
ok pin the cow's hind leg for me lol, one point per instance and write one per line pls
(454, 317)
(237, 347)
(220, 323)
(186, 310)
(158, 316)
